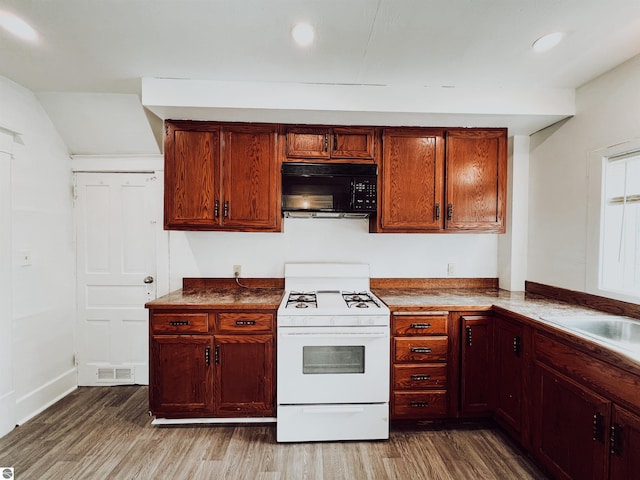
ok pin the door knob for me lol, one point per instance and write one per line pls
(148, 279)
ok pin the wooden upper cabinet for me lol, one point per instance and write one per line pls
(191, 177)
(249, 177)
(330, 143)
(412, 179)
(221, 177)
(476, 180)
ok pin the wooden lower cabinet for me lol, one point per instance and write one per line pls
(475, 364)
(419, 375)
(581, 429)
(571, 424)
(625, 444)
(228, 371)
(181, 374)
(509, 371)
(243, 380)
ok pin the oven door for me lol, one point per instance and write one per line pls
(333, 365)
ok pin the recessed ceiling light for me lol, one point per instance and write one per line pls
(17, 26)
(303, 34)
(547, 42)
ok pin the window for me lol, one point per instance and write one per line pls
(615, 258)
(620, 267)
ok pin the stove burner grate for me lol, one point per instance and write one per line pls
(302, 300)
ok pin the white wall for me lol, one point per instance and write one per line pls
(213, 254)
(42, 294)
(607, 113)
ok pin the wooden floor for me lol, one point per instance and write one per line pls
(106, 433)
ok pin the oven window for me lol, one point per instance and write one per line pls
(332, 359)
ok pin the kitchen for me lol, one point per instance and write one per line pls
(547, 214)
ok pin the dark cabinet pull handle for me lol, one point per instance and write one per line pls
(420, 377)
(419, 404)
(245, 322)
(207, 356)
(420, 350)
(517, 345)
(420, 325)
(335, 141)
(615, 440)
(325, 146)
(598, 427)
(225, 212)
(437, 211)
(217, 355)
(469, 335)
(179, 323)
(216, 209)
(450, 211)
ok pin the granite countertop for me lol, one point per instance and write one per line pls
(529, 307)
(238, 298)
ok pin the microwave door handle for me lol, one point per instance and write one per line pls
(352, 203)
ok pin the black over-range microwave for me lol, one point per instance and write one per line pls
(329, 189)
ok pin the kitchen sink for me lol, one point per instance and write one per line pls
(620, 331)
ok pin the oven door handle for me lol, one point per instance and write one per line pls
(313, 410)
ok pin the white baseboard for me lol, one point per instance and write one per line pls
(7, 412)
(34, 402)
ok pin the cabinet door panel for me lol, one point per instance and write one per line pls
(180, 378)
(570, 427)
(308, 143)
(244, 375)
(476, 364)
(509, 367)
(625, 449)
(352, 143)
(476, 179)
(249, 173)
(412, 180)
(191, 177)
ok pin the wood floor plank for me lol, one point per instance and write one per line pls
(106, 433)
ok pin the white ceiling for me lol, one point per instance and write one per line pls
(92, 54)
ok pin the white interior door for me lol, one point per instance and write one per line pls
(116, 224)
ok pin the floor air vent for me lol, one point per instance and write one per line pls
(115, 374)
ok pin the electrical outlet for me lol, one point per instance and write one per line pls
(451, 269)
(237, 271)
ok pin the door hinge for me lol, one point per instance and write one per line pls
(217, 355)
(615, 440)
(598, 427)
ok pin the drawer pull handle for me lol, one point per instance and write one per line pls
(420, 325)
(420, 350)
(419, 404)
(245, 322)
(420, 377)
(179, 323)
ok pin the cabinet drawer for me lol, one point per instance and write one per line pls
(419, 377)
(421, 349)
(244, 322)
(428, 324)
(420, 405)
(180, 322)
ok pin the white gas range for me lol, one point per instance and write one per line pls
(332, 356)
